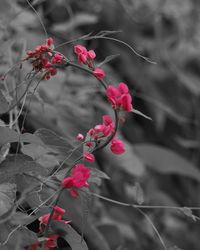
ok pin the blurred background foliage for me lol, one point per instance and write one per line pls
(161, 164)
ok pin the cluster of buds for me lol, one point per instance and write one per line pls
(87, 57)
(50, 241)
(43, 59)
(99, 132)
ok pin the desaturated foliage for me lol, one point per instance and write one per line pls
(87, 161)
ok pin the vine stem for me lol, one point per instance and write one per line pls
(141, 206)
(139, 209)
(104, 84)
(51, 216)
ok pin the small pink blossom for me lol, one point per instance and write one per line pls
(57, 58)
(89, 144)
(50, 242)
(99, 73)
(126, 102)
(49, 41)
(57, 215)
(89, 157)
(79, 49)
(117, 146)
(91, 54)
(82, 58)
(79, 137)
(91, 132)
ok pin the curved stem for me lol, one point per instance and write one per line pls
(103, 83)
(51, 216)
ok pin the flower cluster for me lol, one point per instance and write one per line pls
(119, 97)
(57, 215)
(78, 179)
(50, 241)
(99, 132)
(43, 59)
(87, 57)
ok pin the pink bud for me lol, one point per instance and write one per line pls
(74, 193)
(126, 102)
(89, 144)
(79, 137)
(78, 49)
(89, 157)
(49, 41)
(91, 54)
(123, 88)
(91, 132)
(117, 147)
(99, 73)
(107, 120)
(82, 58)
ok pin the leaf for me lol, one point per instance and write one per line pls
(108, 59)
(111, 233)
(138, 193)
(135, 111)
(54, 142)
(19, 164)
(128, 162)
(70, 235)
(33, 151)
(165, 161)
(94, 172)
(7, 197)
(21, 219)
(94, 238)
(4, 106)
(96, 175)
(8, 136)
(23, 238)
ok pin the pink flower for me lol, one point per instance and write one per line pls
(57, 58)
(99, 73)
(78, 179)
(119, 97)
(79, 137)
(82, 53)
(57, 215)
(117, 146)
(107, 120)
(89, 157)
(99, 128)
(123, 88)
(79, 49)
(80, 175)
(84, 56)
(50, 242)
(126, 102)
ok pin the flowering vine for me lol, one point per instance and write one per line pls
(45, 60)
